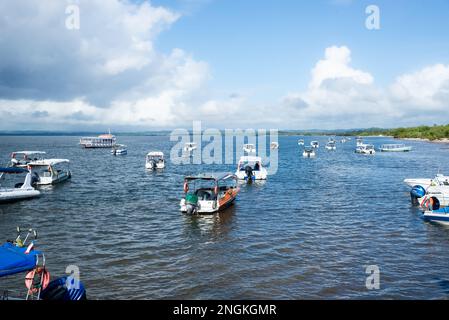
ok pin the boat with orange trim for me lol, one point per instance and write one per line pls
(209, 193)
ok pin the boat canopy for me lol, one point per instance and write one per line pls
(155, 154)
(212, 176)
(48, 162)
(28, 153)
(250, 159)
(14, 260)
(13, 170)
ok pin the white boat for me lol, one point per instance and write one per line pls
(343, 140)
(365, 149)
(425, 192)
(359, 142)
(22, 158)
(395, 148)
(300, 142)
(102, 141)
(331, 145)
(50, 171)
(274, 145)
(209, 193)
(190, 146)
(249, 148)
(315, 144)
(20, 191)
(439, 180)
(250, 168)
(309, 152)
(155, 160)
(119, 149)
(440, 215)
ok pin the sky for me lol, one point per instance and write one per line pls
(274, 64)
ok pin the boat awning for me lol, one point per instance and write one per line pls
(27, 153)
(48, 162)
(13, 170)
(250, 159)
(14, 260)
(212, 176)
(155, 154)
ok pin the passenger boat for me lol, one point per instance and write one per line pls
(365, 149)
(331, 145)
(119, 149)
(440, 215)
(155, 160)
(102, 141)
(395, 148)
(309, 152)
(250, 168)
(429, 191)
(209, 193)
(20, 191)
(315, 144)
(190, 146)
(274, 145)
(22, 158)
(249, 148)
(50, 171)
(300, 142)
(21, 257)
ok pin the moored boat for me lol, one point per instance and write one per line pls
(209, 193)
(395, 148)
(300, 142)
(50, 171)
(365, 149)
(440, 215)
(331, 145)
(309, 152)
(119, 149)
(250, 168)
(274, 145)
(102, 141)
(315, 144)
(190, 146)
(20, 191)
(155, 160)
(249, 148)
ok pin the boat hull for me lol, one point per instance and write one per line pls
(13, 195)
(54, 180)
(437, 217)
(212, 206)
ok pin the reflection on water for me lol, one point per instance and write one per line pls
(307, 232)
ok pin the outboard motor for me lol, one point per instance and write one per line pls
(249, 173)
(416, 193)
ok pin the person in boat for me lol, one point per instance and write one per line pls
(257, 166)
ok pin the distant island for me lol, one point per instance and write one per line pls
(430, 133)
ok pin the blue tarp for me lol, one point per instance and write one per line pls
(14, 260)
(13, 170)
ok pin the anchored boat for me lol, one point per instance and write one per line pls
(274, 145)
(440, 215)
(249, 148)
(331, 145)
(119, 149)
(300, 142)
(155, 160)
(309, 152)
(102, 141)
(22, 158)
(250, 168)
(365, 149)
(395, 148)
(190, 146)
(20, 191)
(209, 193)
(425, 192)
(315, 144)
(50, 171)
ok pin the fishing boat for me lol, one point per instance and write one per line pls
(250, 168)
(209, 193)
(50, 171)
(20, 191)
(155, 160)
(440, 215)
(300, 142)
(365, 149)
(190, 146)
(20, 256)
(395, 148)
(331, 145)
(102, 141)
(274, 146)
(249, 148)
(309, 152)
(315, 144)
(22, 158)
(119, 149)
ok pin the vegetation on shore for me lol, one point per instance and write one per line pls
(422, 132)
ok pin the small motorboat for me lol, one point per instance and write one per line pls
(438, 180)
(249, 148)
(22, 158)
(20, 256)
(300, 142)
(425, 192)
(395, 148)
(359, 141)
(250, 168)
(190, 146)
(331, 145)
(309, 152)
(274, 146)
(20, 191)
(365, 149)
(155, 160)
(119, 149)
(50, 171)
(315, 144)
(209, 193)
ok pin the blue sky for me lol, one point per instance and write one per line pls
(291, 64)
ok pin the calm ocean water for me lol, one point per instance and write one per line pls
(308, 232)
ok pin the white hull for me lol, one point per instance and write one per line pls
(150, 166)
(9, 195)
(308, 155)
(257, 175)
(437, 217)
(425, 183)
(331, 148)
(54, 180)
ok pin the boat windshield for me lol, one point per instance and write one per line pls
(255, 165)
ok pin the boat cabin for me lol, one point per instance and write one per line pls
(50, 171)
